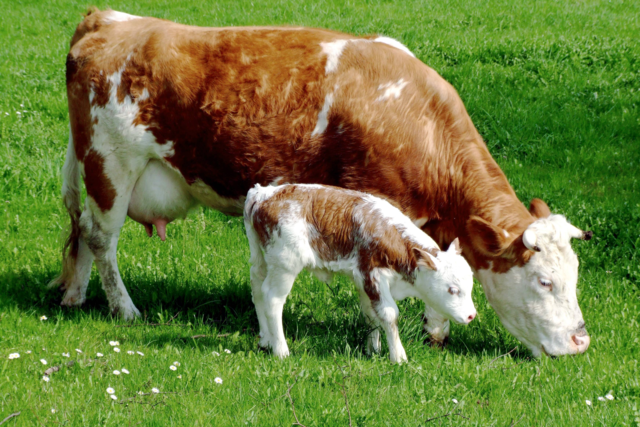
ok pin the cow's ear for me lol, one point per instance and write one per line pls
(425, 259)
(486, 237)
(539, 209)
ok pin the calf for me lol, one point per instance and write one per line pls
(329, 230)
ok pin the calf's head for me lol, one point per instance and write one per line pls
(531, 280)
(445, 282)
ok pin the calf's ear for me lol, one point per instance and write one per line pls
(539, 209)
(455, 247)
(486, 237)
(425, 259)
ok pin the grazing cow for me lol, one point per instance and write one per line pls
(329, 230)
(210, 112)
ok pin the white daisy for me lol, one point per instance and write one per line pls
(114, 397)
(215, 353)
(53, 411)
(130, 352)
(116, 349)
(609, 396)
(141, 393)
(113, 343)
(124, 371)
(173, 368)
(99, 354)
(176, 363)
(18, 113)
(66, 354)
(45, 379)
(179, 377)
(28, 351)
(116, 372)
(454, 401)
(43, 317)
(155, 390)
(14, 355)
(140, 353)
(78, 350)
(44, 362)
(218, 380)
(588, 402)
(226, 350)
(110, 390)
(22, 105)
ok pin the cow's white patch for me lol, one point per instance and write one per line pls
(110, 16)
(395, 43)
(391, 90)
(333, 50)
(323, 116)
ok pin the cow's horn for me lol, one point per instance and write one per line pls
(529, 240)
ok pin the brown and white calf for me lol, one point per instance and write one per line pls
(164, 116)
(328, 230)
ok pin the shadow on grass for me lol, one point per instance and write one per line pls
(226, 316)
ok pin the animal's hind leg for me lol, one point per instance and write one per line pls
(109, 180)
(76, 288)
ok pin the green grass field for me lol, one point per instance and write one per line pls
(553, 87)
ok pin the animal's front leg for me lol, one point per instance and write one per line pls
(436, 326)
(388, 314)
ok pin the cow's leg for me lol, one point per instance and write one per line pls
(388, 313)
(109, 187)
(373, 339)
(276, 288)
(76, 288)
(436, 326)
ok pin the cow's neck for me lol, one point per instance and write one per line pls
(476, 186)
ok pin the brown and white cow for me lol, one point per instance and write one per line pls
(329, 230)
(164, 116)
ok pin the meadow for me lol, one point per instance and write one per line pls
(553, 87)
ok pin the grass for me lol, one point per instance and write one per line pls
(554, 89)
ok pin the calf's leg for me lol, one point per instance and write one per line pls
(436, 326)
(388, 314)
(276, 288)
(373, 339)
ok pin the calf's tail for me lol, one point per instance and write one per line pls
(71, 199)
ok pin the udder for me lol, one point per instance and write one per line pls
(160, 196)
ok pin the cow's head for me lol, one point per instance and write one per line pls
(531, 280)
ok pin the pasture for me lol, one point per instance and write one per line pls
(553, 88)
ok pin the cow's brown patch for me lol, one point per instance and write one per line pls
(240, 106)
(98, 184)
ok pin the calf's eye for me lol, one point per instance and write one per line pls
(546, 283)
(454, 291)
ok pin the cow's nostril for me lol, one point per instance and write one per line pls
(576, 339)
(471, 317)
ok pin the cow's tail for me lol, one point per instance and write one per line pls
(71, 199)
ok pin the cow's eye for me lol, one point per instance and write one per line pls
(546, 283)
(454, 291)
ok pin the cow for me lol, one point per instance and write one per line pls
(210, 112)
(328, 230)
